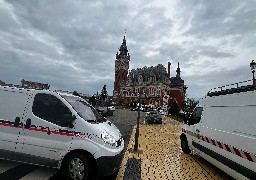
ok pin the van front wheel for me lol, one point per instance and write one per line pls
(184, 145)
(77, 167)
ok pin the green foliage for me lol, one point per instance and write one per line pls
(191, 104)
(104, 93)
(92, 100)
(174, 110)
(178, 117)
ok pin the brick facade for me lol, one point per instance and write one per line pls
(157, 88)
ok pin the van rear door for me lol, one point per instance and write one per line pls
(12, 111)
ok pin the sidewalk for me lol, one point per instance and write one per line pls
(162, 158)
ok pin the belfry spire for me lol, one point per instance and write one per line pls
(123, 51)
(178, 70)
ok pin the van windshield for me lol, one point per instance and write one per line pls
(84, 109)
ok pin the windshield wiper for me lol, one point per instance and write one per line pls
(101, 120)
(92, 121)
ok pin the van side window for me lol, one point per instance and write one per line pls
(49, 108)
(196, 115)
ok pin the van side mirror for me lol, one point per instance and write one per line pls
(67, 120)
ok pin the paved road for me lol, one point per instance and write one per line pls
(126, 116)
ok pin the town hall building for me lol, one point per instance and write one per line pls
(156, 85)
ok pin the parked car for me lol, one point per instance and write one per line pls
(162, 112)
(57, 130)
(153, 117)
(135, 108)
(142, 108)
(112, 108)
(104, 111)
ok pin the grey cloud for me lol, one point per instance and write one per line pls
(199, 85)
(228, 18)
(72, 44)
(151, 24)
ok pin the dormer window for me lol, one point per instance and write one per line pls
(158, 91)
(154, 79)
(140, 79)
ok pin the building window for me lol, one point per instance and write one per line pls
(150, 101)
(151, 91)
(158, 91)
(154, 79)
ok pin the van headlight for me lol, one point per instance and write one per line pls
(107, 138)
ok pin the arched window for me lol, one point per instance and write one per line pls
(158, 91)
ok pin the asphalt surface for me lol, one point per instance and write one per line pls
(127, 117)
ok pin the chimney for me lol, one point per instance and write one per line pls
(169, 66)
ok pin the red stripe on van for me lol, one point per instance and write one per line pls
(207, 139)
(213, 142)
(220, 145)
(248, 156)
(227, 148)
(5, 124)
(40, 130)
(53, 132)
(237, 152)
(62, 133)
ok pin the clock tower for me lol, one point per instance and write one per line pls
(121, 67)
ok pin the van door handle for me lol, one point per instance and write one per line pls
(28, 123)
(17, 122)
(197, 130)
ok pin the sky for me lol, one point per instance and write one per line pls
(71, 44)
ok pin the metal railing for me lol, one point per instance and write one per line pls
(230, 89)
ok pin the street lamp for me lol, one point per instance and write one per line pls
(253, 66)
(184, 101)
(138, 121)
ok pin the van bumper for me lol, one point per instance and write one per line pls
(108, 165)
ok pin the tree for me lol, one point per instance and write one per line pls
(104, 94)
(174, 110)
(192, 104)
(92, 100)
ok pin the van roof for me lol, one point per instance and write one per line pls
(223, 90)
(8, 88)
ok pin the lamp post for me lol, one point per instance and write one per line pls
(184, 102)
(253, 66)
(184, 94)
(137, 128)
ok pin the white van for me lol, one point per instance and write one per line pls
(57, 130)
(222, 130)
